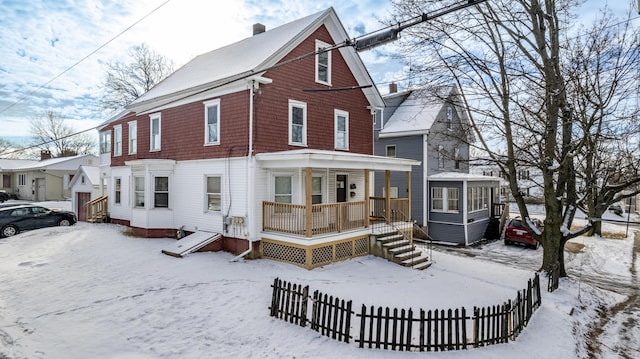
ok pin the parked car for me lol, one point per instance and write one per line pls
(4, 196)
(516, 233)
(16, 219)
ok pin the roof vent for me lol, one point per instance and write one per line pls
(258, 28)
(393, 87)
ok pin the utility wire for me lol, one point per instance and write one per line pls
(24, 97)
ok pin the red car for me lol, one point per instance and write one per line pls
(517, 234)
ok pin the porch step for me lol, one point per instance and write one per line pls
(398, 250)
(409, 254)
(396, 244)
(390, 237)
(422, 266)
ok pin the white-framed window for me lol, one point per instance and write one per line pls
(117, 190)
(105, 142)
(297, 123)
(214, 193)
(449, 118)
(138, 191)
(391, 151)
(316, 190)
(341, 129)
(161, 192)
(456, 158)
(212, 122)
(154, 132)
(523, 175)
(133, 137)
(323, 63)
(445, 199)
(22, 179)
(477, 198)
(440, 157)
(117, 140)
(283, 189)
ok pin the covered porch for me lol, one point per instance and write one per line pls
(324, 215)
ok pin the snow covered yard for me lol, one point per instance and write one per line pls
(91, 291)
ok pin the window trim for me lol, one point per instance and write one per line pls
(133, 137)
(105, 142)
(207, 105)
(445, 199)
(319, 46)
(449, 118)
(207, 193)
(395, 151)
(136, 190)
(292, 190)
(117, 140)
(336, 115)
(441, 158)
(117, 190)
(156, 191)
(153, 117)
(303, 105)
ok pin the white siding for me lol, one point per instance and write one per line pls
(123, 209)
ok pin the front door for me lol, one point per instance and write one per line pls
(341, 188)
(82, 198)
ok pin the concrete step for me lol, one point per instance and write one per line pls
(398, 250)
(415, 260)
(396, 244)
(392, 237)
(422, 266)
(409, 254)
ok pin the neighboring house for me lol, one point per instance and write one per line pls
(262, 141)
(44, 180)
(451, 204)
(529, 181)
(85, 186)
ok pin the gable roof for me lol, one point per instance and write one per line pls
(252, 57)
(415, 115)
(91, 172)
(58, 163)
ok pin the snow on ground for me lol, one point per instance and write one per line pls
(91, 291)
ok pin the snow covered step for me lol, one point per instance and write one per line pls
(390, 238)
(409, 254)
(423, 265)
(415, 260)
(402, 249)
(392, 245)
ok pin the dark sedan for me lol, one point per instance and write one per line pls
(14, 220)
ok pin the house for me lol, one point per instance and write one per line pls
(267, 141)
(86, 185)
(44, 180)
(451, 204)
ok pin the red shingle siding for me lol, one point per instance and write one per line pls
(289, 82)
(182, 132)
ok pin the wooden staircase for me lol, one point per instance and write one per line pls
(97, 210)
(390, 243)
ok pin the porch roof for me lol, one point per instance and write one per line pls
(333, 159)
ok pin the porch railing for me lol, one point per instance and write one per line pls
(325, 218)
(97, 209)
(399, 206)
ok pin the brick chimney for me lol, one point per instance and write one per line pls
(45, 155)
(393, 87)
(258, 28)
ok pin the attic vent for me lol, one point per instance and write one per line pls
(393, 87)
(258, 28)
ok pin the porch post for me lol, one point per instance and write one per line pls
(366, 198)
(308, 199)
(387, 195)
(408, 174)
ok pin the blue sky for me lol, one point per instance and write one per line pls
(41, 39)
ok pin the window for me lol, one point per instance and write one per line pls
(161, 192)
(341, 130)
(456, 157)
(440, 157)
(323, 63)
(6, 181)
(117, 190)
(117, 140)
(214, 193)
(316, 190)
(449, 118)
(445, 199)
(133, 137)
(391, 151)
(212, 122)
(477, 198)
(155, 132)
(523, 175)
(138, 191)
(105, 142)
(297, 123)
(82, 179)
(22, 179)
(283, 189)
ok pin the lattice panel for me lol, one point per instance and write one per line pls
(322, 255)
(344, 250)
(283, 253)
(361, 246)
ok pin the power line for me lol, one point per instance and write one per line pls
(24, 97)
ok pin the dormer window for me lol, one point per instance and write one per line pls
(323, 63)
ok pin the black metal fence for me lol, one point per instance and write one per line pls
(402, 329)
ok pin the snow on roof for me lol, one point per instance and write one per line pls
(30, 165)
(458, 176)
(92, 173)
(11, 164)
(415, 115)
(244, 57)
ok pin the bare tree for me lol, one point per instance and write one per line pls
(49, 132)
(124, 82)
(603, 65)
(507, 57)
(7, 148)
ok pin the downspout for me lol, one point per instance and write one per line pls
(250, 178)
